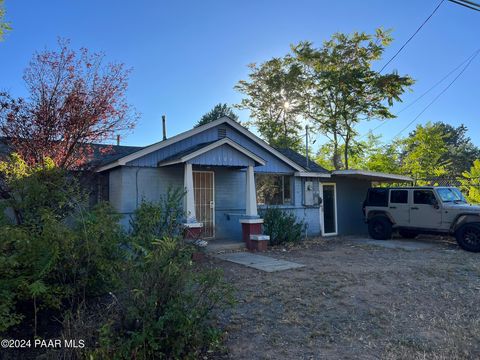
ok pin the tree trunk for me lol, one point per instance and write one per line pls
(336, 155)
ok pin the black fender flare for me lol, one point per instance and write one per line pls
(463, 219)
(373, 213)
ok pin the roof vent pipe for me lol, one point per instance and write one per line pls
(118, 140)
(164, 126)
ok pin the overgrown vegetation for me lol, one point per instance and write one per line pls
(282, 226)
(129, 295)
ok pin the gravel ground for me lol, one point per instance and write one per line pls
(357, 301)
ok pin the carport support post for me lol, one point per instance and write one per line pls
(192, 227)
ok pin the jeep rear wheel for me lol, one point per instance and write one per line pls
(380, 228)
(468, 237)
(407, 234)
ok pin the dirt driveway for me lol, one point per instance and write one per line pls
(357, 301)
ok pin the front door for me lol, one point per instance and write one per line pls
(329, 209)
(424, 210)
(204, 188)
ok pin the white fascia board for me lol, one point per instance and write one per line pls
(159, 145)
(312, 174)
(224, 141)
(372, 174)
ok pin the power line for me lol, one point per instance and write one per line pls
(425, 93)
(440, 94)
(468, 4)
(411, 37)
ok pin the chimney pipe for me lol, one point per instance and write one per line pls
(118, 140)
(164, 125)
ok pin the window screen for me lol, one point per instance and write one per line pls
(399, 196)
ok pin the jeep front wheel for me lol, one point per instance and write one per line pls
(380, 228)
(468, 237)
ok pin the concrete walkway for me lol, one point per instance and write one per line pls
(258, 262)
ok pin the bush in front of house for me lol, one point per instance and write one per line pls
(54, 253)
(70, 272)
(166, 309)
(282, 226)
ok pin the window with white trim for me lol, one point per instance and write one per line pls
(274, 189)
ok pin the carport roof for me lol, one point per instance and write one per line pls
(372, 176)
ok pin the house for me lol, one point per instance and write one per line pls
(230, 175)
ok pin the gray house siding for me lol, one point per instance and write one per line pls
(223, 155)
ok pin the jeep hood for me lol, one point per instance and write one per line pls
(465, 207)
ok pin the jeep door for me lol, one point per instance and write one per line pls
(425, 211)
(398, 207)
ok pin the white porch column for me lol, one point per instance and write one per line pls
(189, 201)
(251, 195)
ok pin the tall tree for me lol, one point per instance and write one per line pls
(461, 152)
(4, 26)
(217, 112)
(342, 88)
(74, 100)
(273, 96)
(424, 151)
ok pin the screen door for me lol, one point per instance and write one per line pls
(204, 188)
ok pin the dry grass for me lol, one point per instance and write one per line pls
(355, 301)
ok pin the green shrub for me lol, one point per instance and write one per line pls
(46, 262)
(167, 307)
(156, 220)
(282, 226)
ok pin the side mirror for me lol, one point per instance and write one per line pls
(435, 204)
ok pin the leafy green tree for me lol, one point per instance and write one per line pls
(273, 97)
(461, 152)
(217, 112)
(471, 182)
(4, 26)
(424, 152)
(342, 88)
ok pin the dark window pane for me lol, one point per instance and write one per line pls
(377, 197)
(399, 196)
(287, 192)
(269, 189)
(424, 197)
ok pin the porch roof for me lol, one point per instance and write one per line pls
(236, 155)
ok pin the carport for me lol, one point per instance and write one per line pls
(351, 190)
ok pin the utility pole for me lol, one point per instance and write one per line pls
(306, 142)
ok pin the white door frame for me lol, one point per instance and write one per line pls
(213, 197)
(322, 213)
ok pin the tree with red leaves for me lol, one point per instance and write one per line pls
(75, 100)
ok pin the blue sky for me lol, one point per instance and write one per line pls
(188, 55)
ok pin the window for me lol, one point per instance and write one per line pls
(451, 195)
(424, 197)
(273, 189)
(399, 196)
(377, 197)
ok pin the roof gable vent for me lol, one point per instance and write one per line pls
(222, 132)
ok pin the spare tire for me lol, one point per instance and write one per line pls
(380, 228)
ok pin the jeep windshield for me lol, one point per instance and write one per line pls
(451, 195)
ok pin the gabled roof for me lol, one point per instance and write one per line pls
(164, 143)
(200, 149)
(302, 160)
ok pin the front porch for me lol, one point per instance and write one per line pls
(220, 196)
